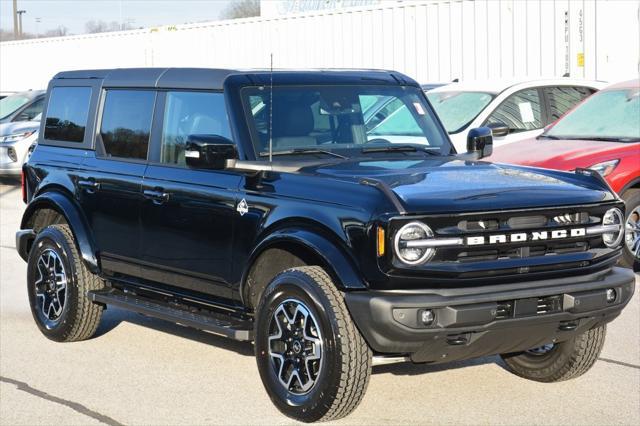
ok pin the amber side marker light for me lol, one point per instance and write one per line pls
(23, 185)
(380, 241)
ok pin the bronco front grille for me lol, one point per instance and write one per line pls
(470, 246)
(523, 252)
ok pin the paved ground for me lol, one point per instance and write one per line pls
(144, 371)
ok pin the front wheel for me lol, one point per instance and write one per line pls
(313, 361)
(559, 361)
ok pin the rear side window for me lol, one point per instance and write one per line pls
(126, 123)
(520, 111)
(562, 99)
(67, 114)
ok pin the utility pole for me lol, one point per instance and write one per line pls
(20, 12)
(15, 19)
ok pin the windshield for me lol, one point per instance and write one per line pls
(11, 103)
(321, 119)
(457, 109)
(607, 115)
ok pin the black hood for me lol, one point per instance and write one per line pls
(445, 185)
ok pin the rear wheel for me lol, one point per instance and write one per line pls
(58, 283)
(631, 251)
(313, 361)
(559, 361)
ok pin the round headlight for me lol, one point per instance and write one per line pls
(411, 232)
(613, 217)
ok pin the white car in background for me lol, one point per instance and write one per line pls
(515, 110)
(16, 140)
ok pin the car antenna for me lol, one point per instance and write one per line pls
(271, 111)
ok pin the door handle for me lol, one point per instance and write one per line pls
(157, 196)
(89, 185)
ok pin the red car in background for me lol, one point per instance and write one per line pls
(603, 134)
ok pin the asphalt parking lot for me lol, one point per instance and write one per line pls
(145, 371)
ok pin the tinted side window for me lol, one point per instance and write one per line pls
(562, 99)
(31, 111)
(191, 113)
(67, 113)
(520, 111)
(126, 123)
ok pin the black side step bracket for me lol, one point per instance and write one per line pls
(220, 324)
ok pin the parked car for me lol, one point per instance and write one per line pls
(258, 206)
(16, 140)
(514, 110)
(23, 106)
(601, 134)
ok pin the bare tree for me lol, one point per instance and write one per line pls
(241, 9)
(61, 31)
(10, 36)
(100, 26)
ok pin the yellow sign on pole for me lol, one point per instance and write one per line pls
(581, 60)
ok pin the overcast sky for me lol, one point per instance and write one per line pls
(73, 14)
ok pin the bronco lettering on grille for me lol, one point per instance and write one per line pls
(527, 236)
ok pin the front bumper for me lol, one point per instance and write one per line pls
(487, 320)
(24, 239)
(9, 167)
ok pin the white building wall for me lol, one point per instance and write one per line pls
(431, 40)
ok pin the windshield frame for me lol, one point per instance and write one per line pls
(352, 150)
(491, 95)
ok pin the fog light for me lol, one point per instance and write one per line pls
(427, 316)
(12, 154)
(611, 295)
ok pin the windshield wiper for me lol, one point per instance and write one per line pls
(398, 148)
(302, 151)
(545, 136)
(610, 139)
(589, 138)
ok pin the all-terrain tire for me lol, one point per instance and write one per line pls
(564, 361)
(346, 358)
(54, 250)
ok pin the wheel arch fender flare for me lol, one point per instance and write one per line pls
(632, 184)
(333, 258)
(63, 204)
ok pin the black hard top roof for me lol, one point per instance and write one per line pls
(213, 79)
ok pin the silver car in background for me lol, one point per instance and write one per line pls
(16, 142)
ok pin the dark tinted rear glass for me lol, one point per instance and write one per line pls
(67, 113)
(562, 99)
(126, 123)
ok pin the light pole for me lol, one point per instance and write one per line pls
(16, 32)
(38, 20)
(20, 12)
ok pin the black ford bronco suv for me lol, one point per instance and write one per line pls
(323, 215)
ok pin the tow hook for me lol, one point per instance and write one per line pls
(567, 326)
(457, 340)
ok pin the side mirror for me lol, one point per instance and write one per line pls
(209, 152)
(480, 142)
(498, 129)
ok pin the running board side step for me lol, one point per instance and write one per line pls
(220, 324)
